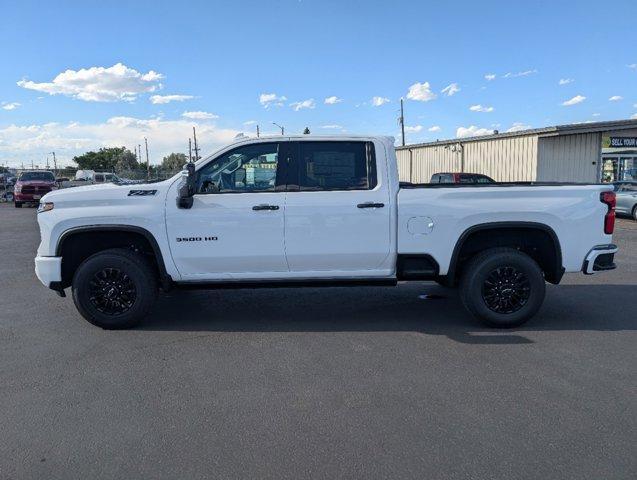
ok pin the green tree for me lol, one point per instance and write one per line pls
(174, 161)
(126, 162)
(105, 159)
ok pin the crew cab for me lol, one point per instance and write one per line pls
(307, 210)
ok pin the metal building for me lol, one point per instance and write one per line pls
(563, 153)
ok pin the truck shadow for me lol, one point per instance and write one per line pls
(424, 308)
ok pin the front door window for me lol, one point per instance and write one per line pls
(251, 168)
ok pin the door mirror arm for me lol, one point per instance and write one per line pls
(187, 189)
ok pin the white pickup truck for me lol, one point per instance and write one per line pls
(307, 210)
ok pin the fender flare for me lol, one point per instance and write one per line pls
(165, 278)
(558, 269)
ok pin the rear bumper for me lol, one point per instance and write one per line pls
(599, 259)
(48, 270)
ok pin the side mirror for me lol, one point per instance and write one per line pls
(187, 189)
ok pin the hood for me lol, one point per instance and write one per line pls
(101, 194)
(37, 183)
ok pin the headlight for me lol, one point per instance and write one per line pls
(17, 188)
(45, 207)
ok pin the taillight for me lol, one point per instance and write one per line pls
(609, 219)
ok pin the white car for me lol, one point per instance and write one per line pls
(309, 210)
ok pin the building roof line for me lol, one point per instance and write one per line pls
(571, 129)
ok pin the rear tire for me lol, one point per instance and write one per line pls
(502, 287)
(18, 204)
(114, 289)
(635, 213)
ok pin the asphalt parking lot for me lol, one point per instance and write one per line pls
(317, 383)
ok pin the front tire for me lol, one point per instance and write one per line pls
(502, 287)
(114, 289)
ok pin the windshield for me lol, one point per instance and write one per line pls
(37, 176)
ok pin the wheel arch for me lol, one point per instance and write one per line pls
(550, 261)
(109, 235)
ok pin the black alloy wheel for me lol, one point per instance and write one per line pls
(112, 291)
(506, 290)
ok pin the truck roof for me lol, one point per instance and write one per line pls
(341, 137)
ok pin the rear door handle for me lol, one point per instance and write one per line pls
(264, 206)
(370, 205)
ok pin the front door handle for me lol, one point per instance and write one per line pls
(265, 206)
(370, 205)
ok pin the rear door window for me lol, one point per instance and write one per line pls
(335, 166)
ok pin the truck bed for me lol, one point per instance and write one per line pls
(496, 184)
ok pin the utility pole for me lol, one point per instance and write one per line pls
(257, 130)
(147, 160)
(189, 150)
(282, 129)
(55, 163)
(194, 135)
(47, 162)
(402, 121)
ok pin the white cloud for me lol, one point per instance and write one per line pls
(309, 103)
(250, 122)
(525, 73)
(163, 99)
(331, 127)
(633, 66)
(451, 89)
(518, 127)
(480, 108)
(634, 116)
(414, 129)
(472, 131)
(421, 92)
(99, 84)
(490, 76)
(271, 99)
(596, 114)
(574, 101)
(199, 115)
(434, 128)
(565, 81)
(10, 105)
(378, 101)
(615, 98)
(28, 142)
(332, 100)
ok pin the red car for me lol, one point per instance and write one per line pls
(32, 186)
(460, 177)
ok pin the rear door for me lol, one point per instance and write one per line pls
(337, 213)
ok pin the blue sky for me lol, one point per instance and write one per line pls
(156, 68)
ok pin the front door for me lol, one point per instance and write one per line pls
(235, 227)
(337, 211)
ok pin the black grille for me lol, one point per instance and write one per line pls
(35, 190)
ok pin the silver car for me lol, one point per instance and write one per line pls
(626, 198)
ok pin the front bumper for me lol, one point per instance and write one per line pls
(48, 270)
(599, 259)
(28, 197)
